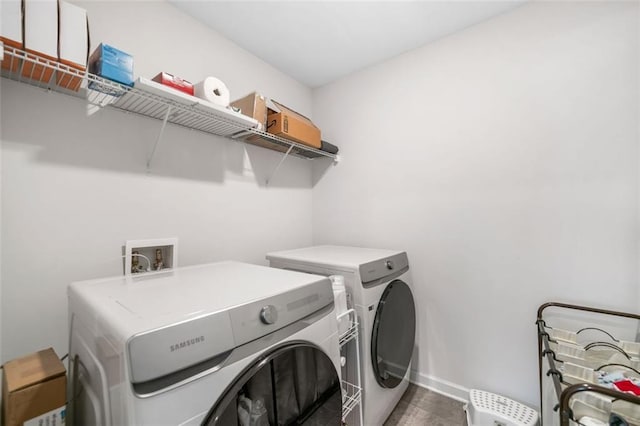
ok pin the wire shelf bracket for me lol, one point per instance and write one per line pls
(153, 151)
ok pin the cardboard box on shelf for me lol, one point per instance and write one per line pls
(174, 82)
(34, 390)
(253, 105)
(111, 63)
(73, 44)
(11, 31)
(289, 124)
(40, 37)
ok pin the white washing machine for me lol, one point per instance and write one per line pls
(202, 345)
(382, 297)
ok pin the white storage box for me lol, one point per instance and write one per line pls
(73, 35)
(41, 27)
(488, 409)
(11, 23)
(73, 43)
(40, 36)
(11, 31)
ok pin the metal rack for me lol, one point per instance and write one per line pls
(352, 392)
(53, 76)
(567, 387)
(352, 399)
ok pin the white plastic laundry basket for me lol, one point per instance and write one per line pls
(488, 409)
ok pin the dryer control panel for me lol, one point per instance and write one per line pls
(384, 269)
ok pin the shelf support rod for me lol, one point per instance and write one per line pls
(164, 123)
(284, 157)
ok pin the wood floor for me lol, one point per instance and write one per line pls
(420, 406)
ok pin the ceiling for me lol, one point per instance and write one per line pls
(317, 42)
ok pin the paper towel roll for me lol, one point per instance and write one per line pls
(340, 299)
(213, 90)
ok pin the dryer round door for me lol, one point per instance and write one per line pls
(294, 383)
(393, 334)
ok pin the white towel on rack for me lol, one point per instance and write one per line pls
(599, 406)
(591, 405)
(574, 373)
(590, 421)
(631, 348)
(630, 412)
(570, 351)
(563, 335)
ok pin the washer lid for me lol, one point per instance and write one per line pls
(207, 288)
(130, 305)
(333, 257)
(180, 320)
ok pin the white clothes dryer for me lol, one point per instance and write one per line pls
(202, 345)
(383, 300)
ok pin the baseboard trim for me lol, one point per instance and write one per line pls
(440, 386)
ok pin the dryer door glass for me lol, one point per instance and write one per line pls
(295, 383)
(393, 334)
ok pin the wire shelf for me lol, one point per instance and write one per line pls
(352, 396)
(352, 332)
(45, 73)
(352, 393)
(267, 140)
(26, 67)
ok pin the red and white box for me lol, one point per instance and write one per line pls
(175, 82)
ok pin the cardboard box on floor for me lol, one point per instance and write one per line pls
(289, 124)
(34, 390)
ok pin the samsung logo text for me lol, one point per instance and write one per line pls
(187, 343)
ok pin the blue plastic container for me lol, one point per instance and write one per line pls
(113, 64)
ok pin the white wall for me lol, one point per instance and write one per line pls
(75, 187)
(504, 159)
